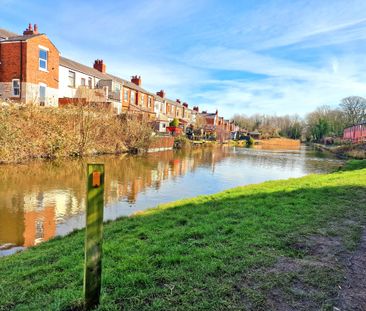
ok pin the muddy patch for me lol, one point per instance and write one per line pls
(352, 293)
(312, 281)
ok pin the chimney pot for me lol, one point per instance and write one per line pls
(29, 31)
(100, 66)
(136, 80)
(161, 93)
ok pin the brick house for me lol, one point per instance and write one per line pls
(210, 120)
(137, 100)
(29, 67)
(162, 121)
(32, 71)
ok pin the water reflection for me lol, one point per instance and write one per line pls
(40, 200)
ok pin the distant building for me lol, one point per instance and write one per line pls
(355, 133)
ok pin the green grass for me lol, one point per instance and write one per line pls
(218, 252)
(354, 165)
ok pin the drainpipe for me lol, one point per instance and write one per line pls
(21, 70)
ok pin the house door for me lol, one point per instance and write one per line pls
(42, 94)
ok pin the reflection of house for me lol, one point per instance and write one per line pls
(39, 226)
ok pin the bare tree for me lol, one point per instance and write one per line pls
(354, 108)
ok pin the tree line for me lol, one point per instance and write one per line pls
(324, 121)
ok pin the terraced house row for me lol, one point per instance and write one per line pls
(33, 71)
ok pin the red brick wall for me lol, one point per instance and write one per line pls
(162, 142)
(20, 60)
(34, 75)
(11, 55)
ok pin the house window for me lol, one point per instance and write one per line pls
(117, 87)
(16, 87)
(126, 95)
(83, 81)
(149, 102)
(132, 98)
(42, 94)
(71, 78)
(43, 58)
(142, 99)
(90, 83)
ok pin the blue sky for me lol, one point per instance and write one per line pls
(278, 57)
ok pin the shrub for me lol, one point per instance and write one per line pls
(174, 122)
(28, 132)
(250, 141)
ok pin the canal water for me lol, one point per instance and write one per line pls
(41, 200)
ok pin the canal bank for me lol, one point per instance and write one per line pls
(349, 151)
(278, 244)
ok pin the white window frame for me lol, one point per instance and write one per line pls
(68, 79)
(81, 81)
(42, 59)
(116, 87)
(133, 97)
(125, 95)
(90, 82)
(12, 88)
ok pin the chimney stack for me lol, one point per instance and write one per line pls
(195, 108)
(30, 30)
(100, 66)
(185, 105)
(178, 101)
(136, 80)
(161, 93)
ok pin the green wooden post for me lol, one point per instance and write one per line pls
(94, 235)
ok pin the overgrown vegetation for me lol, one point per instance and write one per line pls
(174, 122)
(28, 132)
(272, 246)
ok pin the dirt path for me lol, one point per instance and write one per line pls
(352, 295)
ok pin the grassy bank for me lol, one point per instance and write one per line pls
(279, 245)
(29, 132)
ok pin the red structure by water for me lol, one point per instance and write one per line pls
(355, 133)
